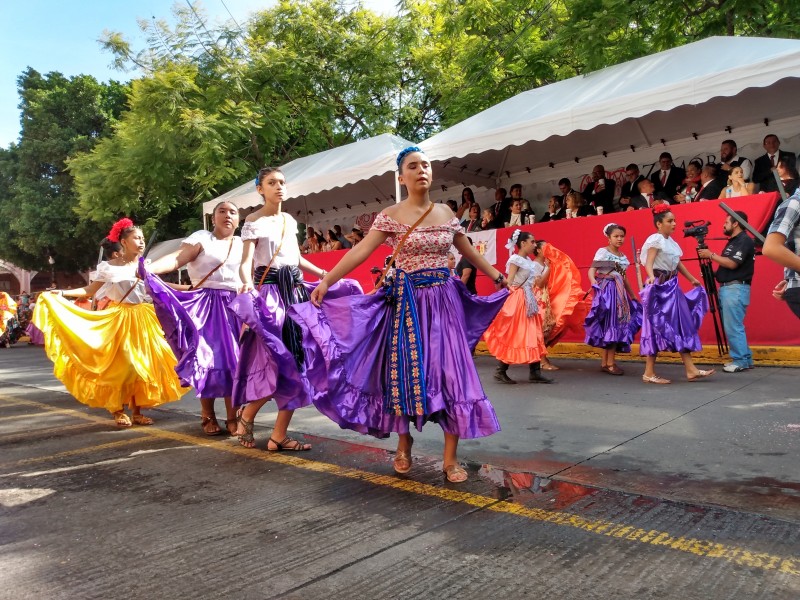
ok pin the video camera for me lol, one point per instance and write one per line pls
(697, 230)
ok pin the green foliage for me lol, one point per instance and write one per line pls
(60, 116)
(213, 104)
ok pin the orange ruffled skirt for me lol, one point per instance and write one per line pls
(513, 337)
(107, 357)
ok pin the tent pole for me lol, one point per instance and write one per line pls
(502, 166)
(396, 187)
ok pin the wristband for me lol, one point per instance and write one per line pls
(500, 278)
(324, 274)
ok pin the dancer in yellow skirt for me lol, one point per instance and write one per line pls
(117, 356)
(8, 310)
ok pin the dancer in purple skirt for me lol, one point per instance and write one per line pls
(272, 360)
(202, 332)
(378, 363)
(671, 318)
(615, 316)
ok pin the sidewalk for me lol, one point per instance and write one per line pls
(731, 440)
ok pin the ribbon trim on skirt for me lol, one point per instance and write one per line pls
(289, 281)
(407, 392)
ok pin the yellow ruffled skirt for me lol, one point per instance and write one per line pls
(107, 357)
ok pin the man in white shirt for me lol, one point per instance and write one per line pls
(729, 155)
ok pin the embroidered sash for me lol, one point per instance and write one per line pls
(406, 392)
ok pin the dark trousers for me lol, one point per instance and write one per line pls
(792, 297)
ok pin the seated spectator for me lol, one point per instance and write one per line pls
(516, 218)
(355, 236)
(668, 178)
(317, 243)
(710, 187)
(729, 157)
(631, 187)
(340, 236)
(487, 219)
(767, 163)
(600, 190)
(453, 205)
(305, 247)
(467, 200)
(555, 211)
(473, 223)
(647, 198)
(576, 207)
(331, 243)
(691, 184)
(789, 177)
(737, 186)
(467, 272)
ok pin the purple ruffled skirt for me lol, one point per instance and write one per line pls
(35, 335)
(610, 323)
(267, 369)
(671, 318)
(346, 343)
(202, 333)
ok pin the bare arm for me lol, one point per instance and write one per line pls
(541, 280)
(512, 271)
(308, 267)
(465, 274)
(685, 272)
(354, 257)
(775, 249)
(175, 260)
(83, 292)
(246, 268)
(648, 265)
(591, 273)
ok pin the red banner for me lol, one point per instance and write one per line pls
(769, 322)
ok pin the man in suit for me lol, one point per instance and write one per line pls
(565, 185)
(669, 177)
(631, 187)
(600, 191)
(555, 210)
(501, 209)
(648, 197)
(710, 187)
(765, 165)
(729, 155)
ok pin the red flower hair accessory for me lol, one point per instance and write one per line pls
(118, 228)
(661, 208)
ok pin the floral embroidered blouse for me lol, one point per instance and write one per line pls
(425, 248)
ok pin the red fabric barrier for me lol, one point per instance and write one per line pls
(768, 322)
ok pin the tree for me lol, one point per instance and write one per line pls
(60, 116)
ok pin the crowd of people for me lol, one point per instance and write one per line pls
(249, 328)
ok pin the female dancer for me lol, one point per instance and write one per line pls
(562, 300)
(109, 358)
(202, 332)
(272, 355)
(615, 316)
(671, 318)
(380, 362)
(515, 336)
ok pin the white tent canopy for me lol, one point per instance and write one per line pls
(356, 174)
(713, 86)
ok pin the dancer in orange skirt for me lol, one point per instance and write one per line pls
(515, 336)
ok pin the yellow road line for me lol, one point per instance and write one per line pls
(84, 450)
(704, 548)
(55, 411)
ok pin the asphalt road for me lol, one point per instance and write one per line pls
(598, 487)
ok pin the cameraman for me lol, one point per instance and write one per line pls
(734, 275)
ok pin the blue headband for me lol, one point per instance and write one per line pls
(258, 183)
(405, 152)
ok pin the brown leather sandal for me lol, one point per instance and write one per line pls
(455, 473)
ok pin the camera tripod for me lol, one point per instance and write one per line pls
(715, 308)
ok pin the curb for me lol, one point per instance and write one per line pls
(764, 356)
